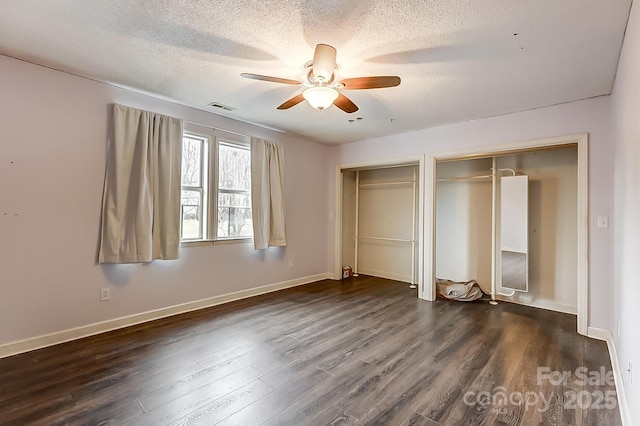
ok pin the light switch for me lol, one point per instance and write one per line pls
(603, 222)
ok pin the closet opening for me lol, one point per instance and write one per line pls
(513, 219)
(378, 223)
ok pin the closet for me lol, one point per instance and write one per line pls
(379, 222)
(509, 221)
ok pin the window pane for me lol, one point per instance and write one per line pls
(191, 215)
(234, 215)
(234, 166)
(191, 161)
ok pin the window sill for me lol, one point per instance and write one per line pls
(198, 243)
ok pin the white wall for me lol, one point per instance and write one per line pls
(591, 116)
(53, 131)
(626, 225)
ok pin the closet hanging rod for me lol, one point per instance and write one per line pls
(475, 177)
(464, 178)
(398, 240)
(509, 170)
(369, 185)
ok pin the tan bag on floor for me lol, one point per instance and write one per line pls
(461, 291)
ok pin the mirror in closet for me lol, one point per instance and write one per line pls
(514, 225)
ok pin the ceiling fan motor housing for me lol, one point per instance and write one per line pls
(324, 64)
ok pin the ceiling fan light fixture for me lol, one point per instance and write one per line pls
(320, 97)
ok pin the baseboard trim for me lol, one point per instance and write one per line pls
(382, 274)
(333, 276)
(542, 304)
(42, 341)
(602, 334)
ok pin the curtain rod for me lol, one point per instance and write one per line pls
(215, 128)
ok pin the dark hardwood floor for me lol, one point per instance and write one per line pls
(364, 351)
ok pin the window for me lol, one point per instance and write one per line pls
(216, 171)
(194, 191)
(234, 191)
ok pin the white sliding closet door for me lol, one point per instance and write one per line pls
(463, 221)
(386, 228)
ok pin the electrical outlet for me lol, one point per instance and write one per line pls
(291, 264)
(603, 222)
(105, 294)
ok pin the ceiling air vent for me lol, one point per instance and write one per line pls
(222, 106)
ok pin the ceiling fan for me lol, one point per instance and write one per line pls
(321, 88)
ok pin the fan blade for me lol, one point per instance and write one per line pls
(292, 102)
(268, 78)
(371, 82)
(345, 104)
(324, 62)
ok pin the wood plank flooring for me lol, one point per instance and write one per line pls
(364, 351)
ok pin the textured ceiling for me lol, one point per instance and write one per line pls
(458, 60)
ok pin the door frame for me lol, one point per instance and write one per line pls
(418, 161)
(582, 141)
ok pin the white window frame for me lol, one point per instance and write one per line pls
(235, 143)
(203, 188)
(212, 139)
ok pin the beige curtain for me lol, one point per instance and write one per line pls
(267, 194)
(141, 198)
